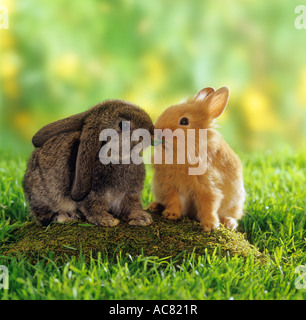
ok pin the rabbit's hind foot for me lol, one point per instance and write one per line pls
(64, 217)
(139, 218)
(229, 222)
(104, 219)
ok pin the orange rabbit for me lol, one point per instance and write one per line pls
(212, 197)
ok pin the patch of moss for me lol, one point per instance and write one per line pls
(162, 239)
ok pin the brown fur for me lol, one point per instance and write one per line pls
(218, 194)
(65, 179)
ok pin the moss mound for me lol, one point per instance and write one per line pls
(162, 239)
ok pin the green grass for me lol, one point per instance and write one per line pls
(274, 221)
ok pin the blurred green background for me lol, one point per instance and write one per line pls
(60, 57)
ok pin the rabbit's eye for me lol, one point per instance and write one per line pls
(124, 126)
(184, 122)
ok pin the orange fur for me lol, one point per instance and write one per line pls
(218, 194)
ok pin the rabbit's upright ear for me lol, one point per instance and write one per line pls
(203, 93)
(70, 124)
(217, 101)
(87, 152)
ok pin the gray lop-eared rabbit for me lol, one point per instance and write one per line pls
(65, 179)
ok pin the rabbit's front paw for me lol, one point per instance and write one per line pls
(171, 215)
(139, 218)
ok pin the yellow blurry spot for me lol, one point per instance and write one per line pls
(6, 40)
(150, 101)
(10, 88)
(154, 71)
(10, 4)
(9, 65)
(257, 108)
(141, 98)
(8, 70)
(23, 123)
(65, 66)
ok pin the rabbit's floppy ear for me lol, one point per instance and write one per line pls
(70, 124)
(87, 152)
(203, 94)
(217, 101)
